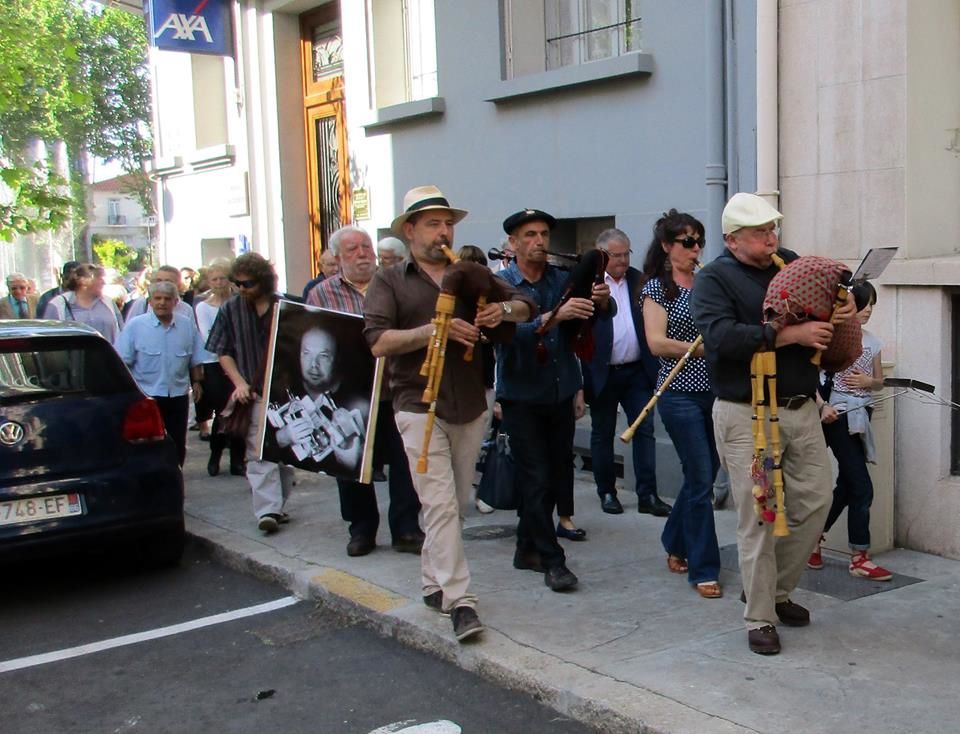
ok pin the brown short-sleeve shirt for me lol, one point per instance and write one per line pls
(404, 297)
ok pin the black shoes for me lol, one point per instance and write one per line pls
(527, 561)
(571, 533)
(269, 524)
(790, 613)
(466, 623)
(764, 641)
(656, 507)
(611, 505)
(213, 465)
(237, 469)
(409, 543)
(378, 476)
(434, 601)
(360, 545)
(560, 578)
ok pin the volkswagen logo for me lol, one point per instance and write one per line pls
(11, 433)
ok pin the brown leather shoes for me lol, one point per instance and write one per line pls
(764, 640)
(791, 614)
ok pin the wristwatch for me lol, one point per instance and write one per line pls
(507, 308)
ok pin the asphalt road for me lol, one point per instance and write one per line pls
(295, 668)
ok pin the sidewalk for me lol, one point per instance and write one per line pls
(634, 648)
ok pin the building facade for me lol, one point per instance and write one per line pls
(605, 113)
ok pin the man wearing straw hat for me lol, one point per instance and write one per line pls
(398, 310)
(728, 309)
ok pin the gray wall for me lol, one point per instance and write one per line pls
(629, 148)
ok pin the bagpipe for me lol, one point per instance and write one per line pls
(809, 288)
(588, 272)
(469, 284)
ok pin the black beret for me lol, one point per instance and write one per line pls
(527, 215)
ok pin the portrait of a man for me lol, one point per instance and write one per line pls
(321, 384)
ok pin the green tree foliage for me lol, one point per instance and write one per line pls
(72, 72)
(115, 254)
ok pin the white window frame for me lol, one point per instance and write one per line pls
(526, 19)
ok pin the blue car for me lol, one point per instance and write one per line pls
(84, 459)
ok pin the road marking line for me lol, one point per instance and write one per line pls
(174, 629)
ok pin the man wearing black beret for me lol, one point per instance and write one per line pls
(539, 390)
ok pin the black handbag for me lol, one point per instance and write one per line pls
(497, 487)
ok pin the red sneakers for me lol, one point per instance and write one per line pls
(816, 559)
(861, 565)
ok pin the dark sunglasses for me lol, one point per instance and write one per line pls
(689, 242)
(249, 283)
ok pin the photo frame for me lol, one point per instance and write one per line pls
(322, 390)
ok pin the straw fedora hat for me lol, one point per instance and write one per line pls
(421, 199)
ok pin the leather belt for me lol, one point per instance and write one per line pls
(794, 402)
(625, 365)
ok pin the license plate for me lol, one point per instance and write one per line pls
(37, 509)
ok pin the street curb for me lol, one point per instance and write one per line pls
(593, 699)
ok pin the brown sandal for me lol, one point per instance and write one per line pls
(676, 564)
(709, 589)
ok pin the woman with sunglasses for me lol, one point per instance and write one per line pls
(689, 535)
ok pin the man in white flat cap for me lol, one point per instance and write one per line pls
(728, 309)
(398, 311)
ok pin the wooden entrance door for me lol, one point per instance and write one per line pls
(328, 161)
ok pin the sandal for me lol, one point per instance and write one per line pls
(676, 564)
(709, 589)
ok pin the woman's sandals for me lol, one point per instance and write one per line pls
(676, 564)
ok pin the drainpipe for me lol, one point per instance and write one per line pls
(716, 168)
(768, 174)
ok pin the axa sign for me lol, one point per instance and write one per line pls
(194, 26)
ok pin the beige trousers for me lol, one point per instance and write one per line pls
(770, 567)
(445, 490)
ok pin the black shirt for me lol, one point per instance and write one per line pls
(728, 310)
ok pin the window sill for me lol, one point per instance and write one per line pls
(570, 77)
(215, 156)
(405, 112)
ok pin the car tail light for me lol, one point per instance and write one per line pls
(143, 422)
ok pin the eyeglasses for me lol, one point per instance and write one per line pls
(249, 283)
(689, 242)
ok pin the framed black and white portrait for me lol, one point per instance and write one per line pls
(322, 389)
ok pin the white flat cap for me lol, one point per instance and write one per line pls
(747, 210)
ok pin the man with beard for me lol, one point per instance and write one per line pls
(398, 310)
(345, 292)
(239, 337)
(542, 398)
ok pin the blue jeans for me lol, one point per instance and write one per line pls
(854, 490)
(627, 386)
(689, 531)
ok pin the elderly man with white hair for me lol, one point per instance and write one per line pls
(390, 251)
(164, 352)
(19, 304)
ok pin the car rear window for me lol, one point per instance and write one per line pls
(49, 366)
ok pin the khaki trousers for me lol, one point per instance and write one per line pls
(445, 490)
(270, 483)
(771, 567)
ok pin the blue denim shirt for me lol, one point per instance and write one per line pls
(160, 357)
(519, 375)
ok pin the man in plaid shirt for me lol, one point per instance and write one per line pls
(358, 502)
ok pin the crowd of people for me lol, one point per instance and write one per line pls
(673, 332)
